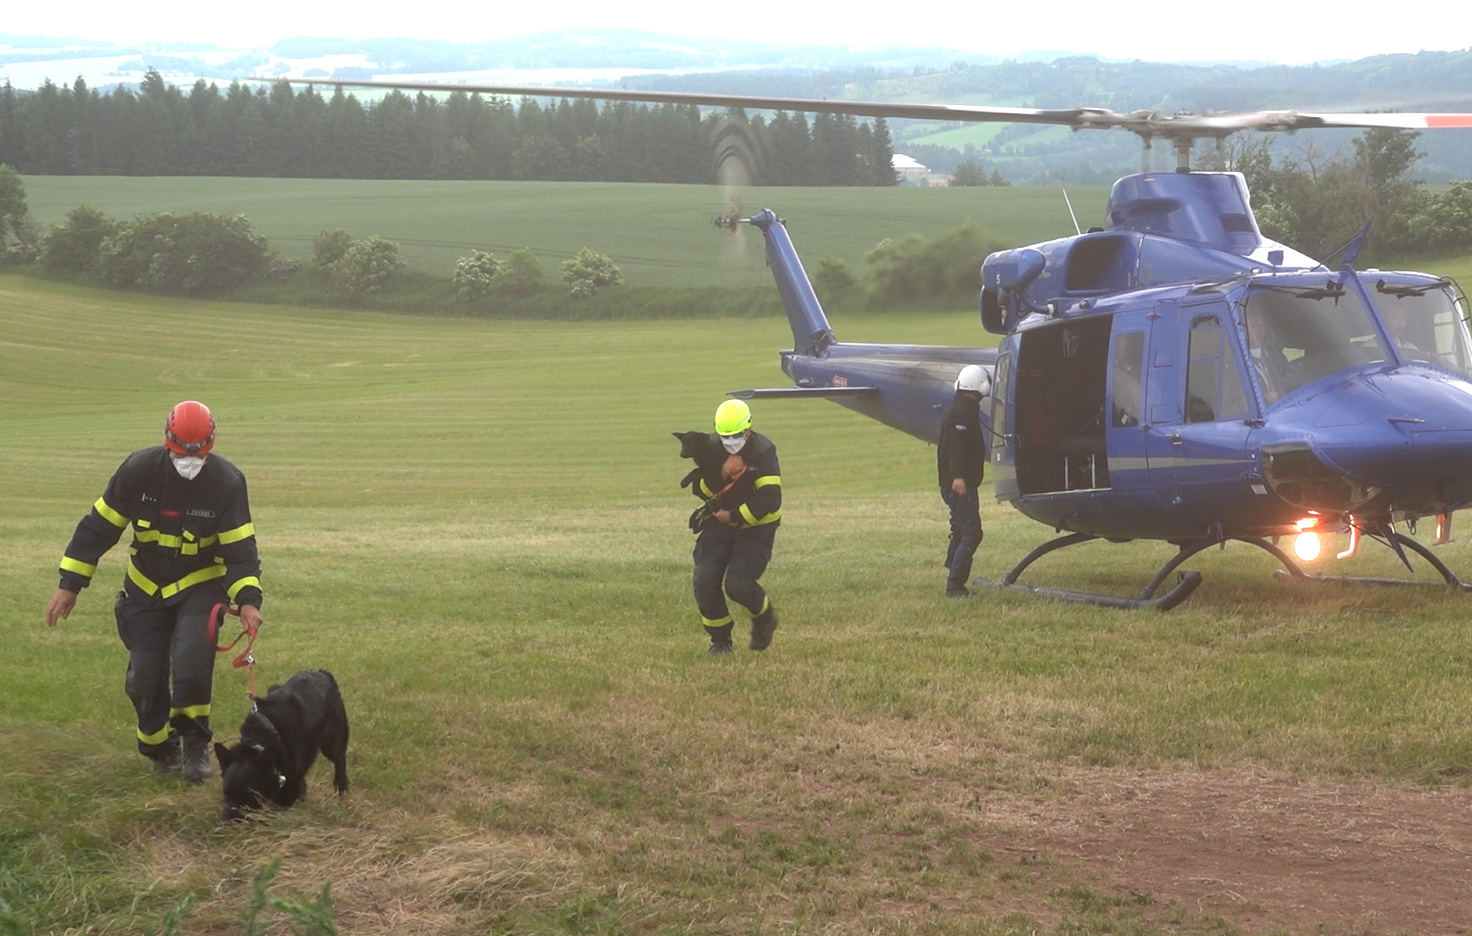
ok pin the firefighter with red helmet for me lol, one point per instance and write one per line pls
(193, 547)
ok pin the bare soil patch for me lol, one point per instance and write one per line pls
(1271, 855)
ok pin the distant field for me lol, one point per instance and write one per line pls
(659, 235)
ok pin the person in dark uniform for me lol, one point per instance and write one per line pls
(737, 524)
(960, 464)
(193, 547)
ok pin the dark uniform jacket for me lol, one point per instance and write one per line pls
(756, 498)
(184, 532)
(962, 450)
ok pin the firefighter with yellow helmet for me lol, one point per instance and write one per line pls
(741, 496)
(193, 547)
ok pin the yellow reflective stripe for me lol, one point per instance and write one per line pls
(705, 489)
(717, 622)
(158, 737)
(767, 480)
(151, 587)
(110, 515)
(236, 535)
(192, 579)
(751, 518)
(191, 711)
(234, 590)
(68, 564)
(141, 580)
(186, 544)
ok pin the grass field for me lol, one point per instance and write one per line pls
(477, 527)
(659, 235)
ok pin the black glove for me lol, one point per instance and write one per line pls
(702, 515)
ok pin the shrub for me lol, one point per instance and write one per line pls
(474, 275)
(520, 275)
(366, 265)
(948, 267)
(191, 253)
(832, 278)
(588, 272)
(1443, 222)
(73, 246)
(19, 233)
(328, 247)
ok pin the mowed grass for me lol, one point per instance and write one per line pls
(477, 527)
(659, 235)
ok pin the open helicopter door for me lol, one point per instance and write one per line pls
(1058, 408)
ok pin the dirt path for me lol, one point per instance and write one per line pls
(1270, 855)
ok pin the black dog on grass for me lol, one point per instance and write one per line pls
(279, 741)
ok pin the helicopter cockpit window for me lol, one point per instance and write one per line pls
(1213, 386)
(1297, 334)
(1426, 323)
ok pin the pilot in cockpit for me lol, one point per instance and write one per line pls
(1268, 358)
(1398, 324)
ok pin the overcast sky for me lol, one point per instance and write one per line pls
(1288, 31)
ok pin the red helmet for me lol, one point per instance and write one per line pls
(190, 429)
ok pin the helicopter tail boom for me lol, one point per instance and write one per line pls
(811, 333)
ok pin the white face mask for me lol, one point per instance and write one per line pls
(189, 466)
(734, 444)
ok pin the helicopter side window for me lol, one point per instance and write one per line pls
(1001, 380)
(1213, 386)
(1125, 384)
(1426, 323)
(1298, 334)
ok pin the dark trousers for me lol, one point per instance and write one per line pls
(965, 534)
(171, 663)
(729, 562)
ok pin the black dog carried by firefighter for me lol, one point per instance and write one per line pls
(739, 483)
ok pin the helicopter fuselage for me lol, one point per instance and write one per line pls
(1177, 376)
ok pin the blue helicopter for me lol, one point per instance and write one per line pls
(1173, 374)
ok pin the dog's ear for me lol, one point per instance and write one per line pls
(223, 755)
(692, 443)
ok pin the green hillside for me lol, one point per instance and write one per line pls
(659, 235)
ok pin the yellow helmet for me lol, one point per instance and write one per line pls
(733, 417)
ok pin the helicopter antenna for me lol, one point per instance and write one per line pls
(1076, 228)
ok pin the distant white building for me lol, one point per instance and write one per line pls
(908, 167)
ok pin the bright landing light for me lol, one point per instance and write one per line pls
(1306, 546)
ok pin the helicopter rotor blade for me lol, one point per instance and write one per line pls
(1144, 123)
(1068, 117)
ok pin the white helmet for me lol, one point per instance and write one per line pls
(974, 377)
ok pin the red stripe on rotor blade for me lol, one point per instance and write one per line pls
(1449, 120)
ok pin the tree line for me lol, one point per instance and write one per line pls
(1316, 201)
(281, 131)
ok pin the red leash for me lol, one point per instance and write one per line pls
(245, 657)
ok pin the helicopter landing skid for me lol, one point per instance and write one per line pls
(1391, 541)
(1188, 581)
(1185, 585)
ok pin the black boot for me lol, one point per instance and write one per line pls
(196, 759)
(720, 638)
(165, 759)
(762, 627)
